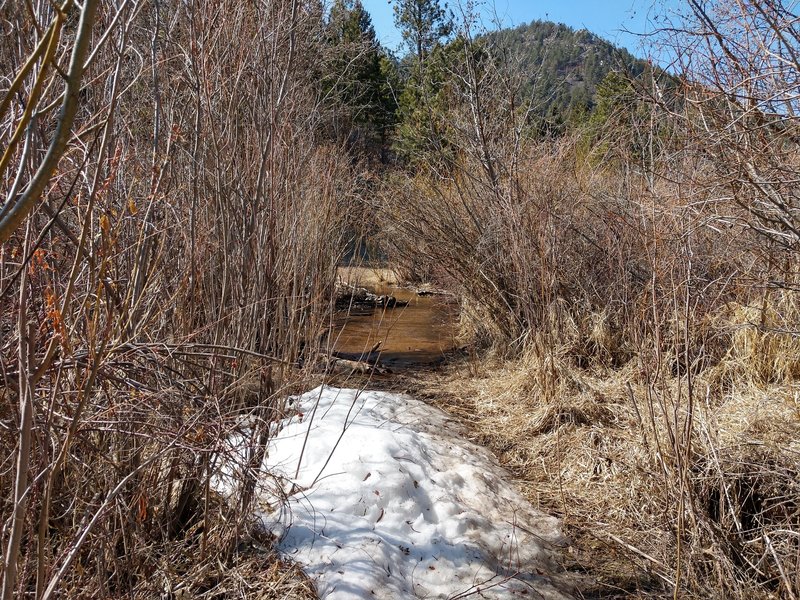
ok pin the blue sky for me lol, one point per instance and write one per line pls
(608, 18)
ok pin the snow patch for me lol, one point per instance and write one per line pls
(387, 500)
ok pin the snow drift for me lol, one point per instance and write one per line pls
(387, 500)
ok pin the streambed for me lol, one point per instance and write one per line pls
(416, 335)
(379, 496)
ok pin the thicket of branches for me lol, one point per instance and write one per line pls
(644, 273)
(171, 226)
(174, 208)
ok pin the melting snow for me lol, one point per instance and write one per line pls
(391, 502)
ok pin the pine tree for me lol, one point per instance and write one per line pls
(355, 72)
(360, 77)
(423, 23)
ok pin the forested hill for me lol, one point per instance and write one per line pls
(564, 66)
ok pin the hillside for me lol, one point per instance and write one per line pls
(563, 66)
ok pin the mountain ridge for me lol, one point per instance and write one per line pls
(564, 66)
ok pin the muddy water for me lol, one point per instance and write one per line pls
(416, 335)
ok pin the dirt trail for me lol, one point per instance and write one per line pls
(415, 339)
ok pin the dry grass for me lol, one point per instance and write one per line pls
(369, 277)
(584, 451)
(194, 567)
(635, 336)
(626, 367)
(568, 436)
(765, 341)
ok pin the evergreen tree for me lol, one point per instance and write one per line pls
(355, 73)
(361, 75)
(420, 129)
(423, 23)
(389, 92)
(610, 130)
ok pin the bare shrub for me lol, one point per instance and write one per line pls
(646, 288)
(160, 293)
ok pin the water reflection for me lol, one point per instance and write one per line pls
(419, 334)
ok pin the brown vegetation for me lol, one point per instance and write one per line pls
(637, 305)
(173, 215)
(168, 275)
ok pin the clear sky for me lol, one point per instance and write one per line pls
(610, 19)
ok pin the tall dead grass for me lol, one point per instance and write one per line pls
(652, 508)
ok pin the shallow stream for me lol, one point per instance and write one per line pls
(418, 335)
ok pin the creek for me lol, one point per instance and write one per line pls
(417, 335)
(384, 496)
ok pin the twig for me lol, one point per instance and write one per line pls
(646, 556)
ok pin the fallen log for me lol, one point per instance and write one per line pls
(356, 297)
(352, 362)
